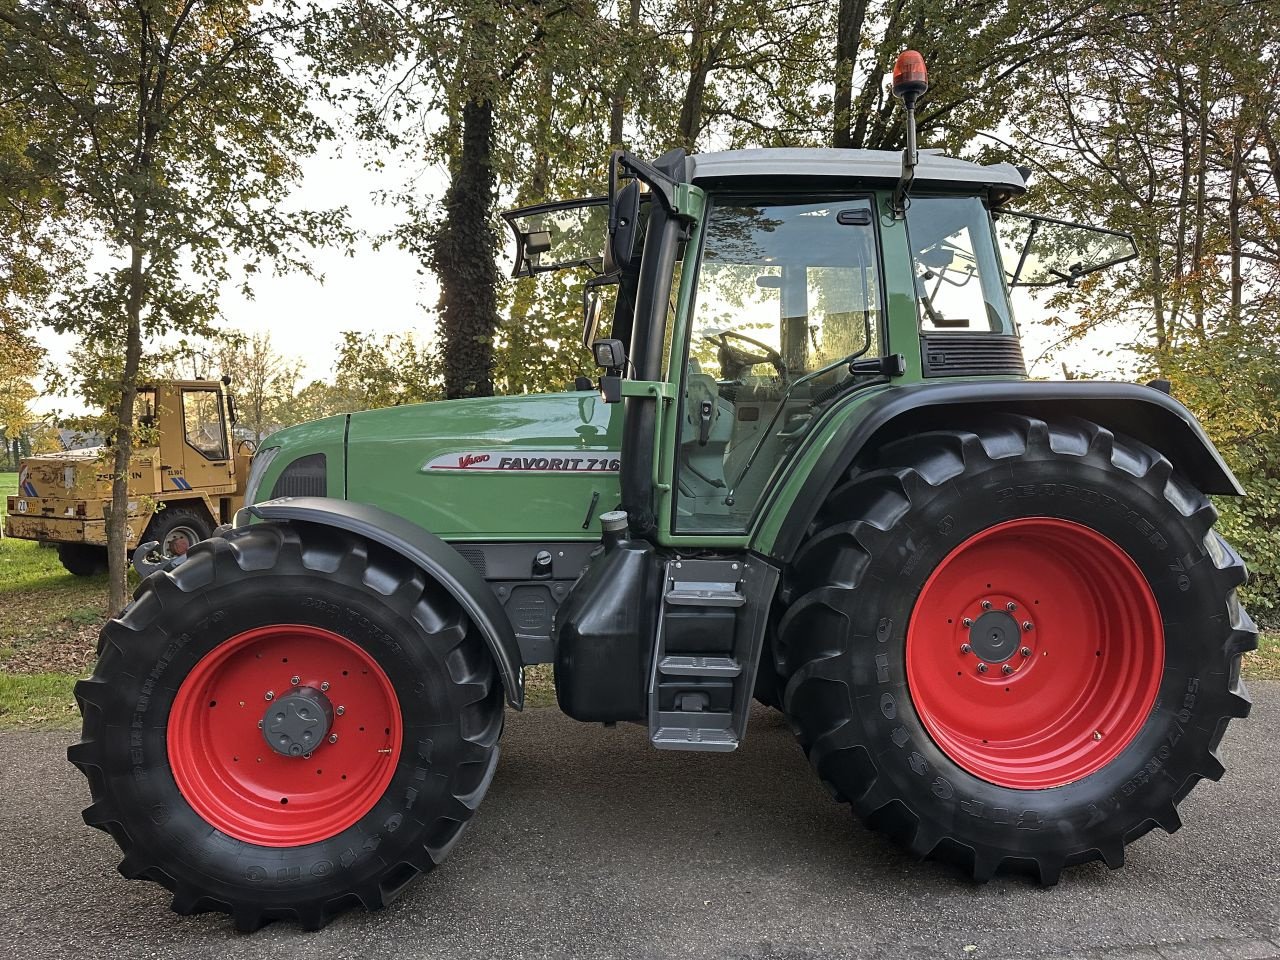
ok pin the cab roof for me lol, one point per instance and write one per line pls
(828, 163)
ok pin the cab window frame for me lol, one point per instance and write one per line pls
(186, 436)
(678, 366)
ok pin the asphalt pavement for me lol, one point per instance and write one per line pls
(592, 844)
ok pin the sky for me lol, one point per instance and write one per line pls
(374, 291)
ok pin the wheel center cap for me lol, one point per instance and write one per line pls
(995, 636)
(297, 723)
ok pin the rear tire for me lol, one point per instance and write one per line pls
(876, 660)
(82, 559)
(186, 781)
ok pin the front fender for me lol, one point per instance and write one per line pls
(434, 556)
(862, 423)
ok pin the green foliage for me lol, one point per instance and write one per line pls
(385, 373)
(1230, 380)
(1156, 124)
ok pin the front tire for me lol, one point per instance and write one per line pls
(1015, 645)
(291, 722)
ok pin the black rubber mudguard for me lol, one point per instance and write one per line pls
(1137, 411)
(436, 557)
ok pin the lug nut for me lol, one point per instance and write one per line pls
(340, 711)
(1006, 669)
(967, 622)
(295, 680)
(1026, 651)
(1011, 606)
(324, 685)
(270, 694)
(982, 668)
(1027, 625)
(965, 648)
(1097, 734)
(986, 604)
(259, 724)
(333, 738)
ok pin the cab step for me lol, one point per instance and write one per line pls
(700, 666)
(706, 649)
(684, 730)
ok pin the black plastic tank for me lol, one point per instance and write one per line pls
(604, 630)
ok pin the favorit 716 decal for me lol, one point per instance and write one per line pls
(525, 461)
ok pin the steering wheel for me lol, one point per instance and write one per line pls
(734, 361)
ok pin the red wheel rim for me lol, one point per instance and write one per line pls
(1072, 643)
(231, 775)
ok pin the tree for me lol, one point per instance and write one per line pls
(263, 382)
(173, 131)
(19, 357)
(389, 372)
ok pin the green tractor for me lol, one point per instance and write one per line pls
(812, 472)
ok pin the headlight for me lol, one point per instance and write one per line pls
(261, 460)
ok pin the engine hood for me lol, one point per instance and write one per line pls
(529, 467)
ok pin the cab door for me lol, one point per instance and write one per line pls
(206, 455)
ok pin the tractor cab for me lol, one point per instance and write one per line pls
(753, 291)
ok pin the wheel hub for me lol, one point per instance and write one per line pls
(295, 724)
(995, 636)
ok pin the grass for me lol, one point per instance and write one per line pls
(37, 701)
(49, 623)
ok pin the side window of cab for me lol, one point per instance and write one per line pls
(202, 423)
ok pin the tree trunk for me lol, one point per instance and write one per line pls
(122, 443)
(1233, 222)
(622, 88)
(849, 21)
(463, 259)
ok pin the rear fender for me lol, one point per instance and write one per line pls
(434, 556)
(1143, 413)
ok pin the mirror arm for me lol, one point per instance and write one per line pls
(662, 186)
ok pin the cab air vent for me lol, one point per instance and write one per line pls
(972, 355)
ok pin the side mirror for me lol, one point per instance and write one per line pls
(624, 227)
(592, 307)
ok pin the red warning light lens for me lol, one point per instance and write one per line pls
(910, 77)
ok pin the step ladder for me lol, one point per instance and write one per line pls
(706, 649)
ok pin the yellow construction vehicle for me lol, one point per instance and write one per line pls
(190, 481)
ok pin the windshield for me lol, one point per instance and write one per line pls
(786, 289)
(959, 284)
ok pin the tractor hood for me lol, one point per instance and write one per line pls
(503, 468)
